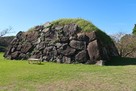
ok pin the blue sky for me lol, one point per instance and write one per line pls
(111, 16)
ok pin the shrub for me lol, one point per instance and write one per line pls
(4, 42)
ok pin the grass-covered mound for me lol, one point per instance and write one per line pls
(64, 39)
(86, 26)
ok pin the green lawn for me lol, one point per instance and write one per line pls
(21, 76)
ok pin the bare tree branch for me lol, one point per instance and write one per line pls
(5, 31)
(125, 44)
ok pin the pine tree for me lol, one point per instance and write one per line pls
(134, 30)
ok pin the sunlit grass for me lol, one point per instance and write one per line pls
(85, 25)
(21, 76)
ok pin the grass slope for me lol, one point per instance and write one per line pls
(86, 26)
(21, 76)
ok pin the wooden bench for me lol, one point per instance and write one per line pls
(34, 60)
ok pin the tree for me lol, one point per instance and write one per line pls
(125, 44)
(5, 31)
(116, 37)
(134, 30)
(128, 45)
(4, 41)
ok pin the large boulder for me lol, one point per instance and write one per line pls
(63, 41)
(79, 45)
(26, 47)
(66, 50)
(93, 51)
(81, 56)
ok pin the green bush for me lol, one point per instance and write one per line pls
(2, 49)
(4, 42)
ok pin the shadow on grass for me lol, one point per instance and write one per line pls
(37, 63)
(121, 61)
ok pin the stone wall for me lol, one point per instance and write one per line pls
(62, 44)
